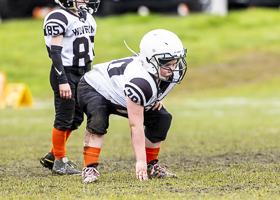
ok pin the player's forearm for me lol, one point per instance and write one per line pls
(138, 143)
(55, 54)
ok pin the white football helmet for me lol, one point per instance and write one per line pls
(160, 46)
(91, 5)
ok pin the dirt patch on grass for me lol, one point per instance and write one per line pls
(172, 161)
(179, 161)
(197, 169)
(234, 158)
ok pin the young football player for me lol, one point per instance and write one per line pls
(133, 87)
(69, 36)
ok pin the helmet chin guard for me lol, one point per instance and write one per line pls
(159, 47)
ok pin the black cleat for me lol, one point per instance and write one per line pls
(47, 160)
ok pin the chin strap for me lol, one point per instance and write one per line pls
(85, 8)
(83, 15)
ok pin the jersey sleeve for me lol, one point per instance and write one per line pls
(139, 91)
(55, 24)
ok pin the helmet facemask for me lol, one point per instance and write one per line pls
(93, 5)
(159, 61)
(90, 6)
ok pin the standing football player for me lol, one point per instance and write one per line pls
(69, 36)
(133, 87)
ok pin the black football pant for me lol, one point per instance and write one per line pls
(68, 114)
(98, 109)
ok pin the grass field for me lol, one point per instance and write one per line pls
(224, 139)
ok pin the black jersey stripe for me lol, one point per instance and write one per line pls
(138, 93)
(58, 16)
(61, 25)
(145, 86)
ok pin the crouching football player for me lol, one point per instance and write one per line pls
(133, 87)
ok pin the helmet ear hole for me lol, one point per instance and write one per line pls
(147, 60)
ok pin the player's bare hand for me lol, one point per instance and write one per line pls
(141, 171)
(65, 91)
(158, 105)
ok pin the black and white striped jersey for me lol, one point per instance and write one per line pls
(127, 77)
(78, 40)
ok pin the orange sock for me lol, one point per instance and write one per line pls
(68, 133)
(152, 153)
(91, 155)
(59, 143)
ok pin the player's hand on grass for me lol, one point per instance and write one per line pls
(141, 171)
(158, 105)
(65, 91)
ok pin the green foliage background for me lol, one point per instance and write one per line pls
(211, 41)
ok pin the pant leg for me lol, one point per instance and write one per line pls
(65, 109)
(157, 124)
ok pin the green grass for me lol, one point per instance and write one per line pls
(212, 41)
(224, 139)
(221, 148)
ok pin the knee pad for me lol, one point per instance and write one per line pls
(156, 130)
